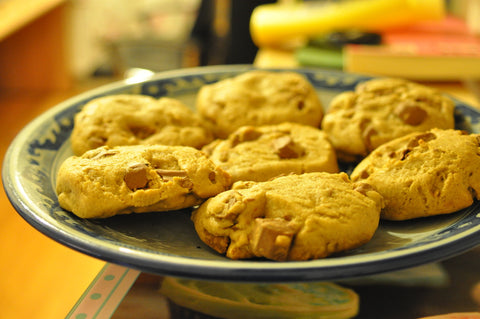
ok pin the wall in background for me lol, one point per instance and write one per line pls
(104, 34)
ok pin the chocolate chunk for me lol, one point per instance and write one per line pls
(410, 113)
(364, 174)
(415, 141)
(367, 134)
(212, 177)
(142, 132)
(245, 134)
(272, 238)
(363, 188)
(136, 176)
(186, 182)
(97, 141)
(104, 153)
(169, 174)
(285, 147)
(425, 137)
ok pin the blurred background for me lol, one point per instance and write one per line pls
(47, 44)
(51, 50)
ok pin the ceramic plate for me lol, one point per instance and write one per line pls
(166, 243)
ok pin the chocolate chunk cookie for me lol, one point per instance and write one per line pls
(380, 110)
(137, 119)
(263, 152)
(294, 217)
(424, 173)
(259, 98)
(109, 181)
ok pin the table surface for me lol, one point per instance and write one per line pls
(40, 278)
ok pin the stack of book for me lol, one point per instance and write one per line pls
(435, 50)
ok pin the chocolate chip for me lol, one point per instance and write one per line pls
(364, 174)
(367, 134)
(272, 238)
(300, 105)
(285, 147)
(169, 174)
(136, 176)
(363, 188)
(104, 153)
(186, 182)
(428, 136)
(410, 113)
(405, 154)
(212, 177)
(142, 132)
(97, 141)
(245, 134)
(415, 141)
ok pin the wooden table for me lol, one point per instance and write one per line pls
(39, 278)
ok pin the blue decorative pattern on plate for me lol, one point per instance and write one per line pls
(166, 243)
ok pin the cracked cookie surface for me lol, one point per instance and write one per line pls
(380, 110)
(137, 119)
(109, 181)
(263, 152)
(424, 173)
(259, 98)
(294, 217)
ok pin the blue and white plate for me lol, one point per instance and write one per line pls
(166, 243)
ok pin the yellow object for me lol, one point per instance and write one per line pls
(238, 300)
(281, 24)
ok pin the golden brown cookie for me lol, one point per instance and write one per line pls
(259, 98)
(380, 110)
(263, 152)
(424, 173)
(109, 181)
(137, 119)
(294, 217)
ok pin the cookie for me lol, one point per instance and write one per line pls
(259, 98)
(137, 119)
(110, 181)
(424, 173)
(294, 217)
(263, 152)
(381, 110)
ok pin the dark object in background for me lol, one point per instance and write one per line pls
(326, 50)
(338, 39)
(232, 44)
(202, 33)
